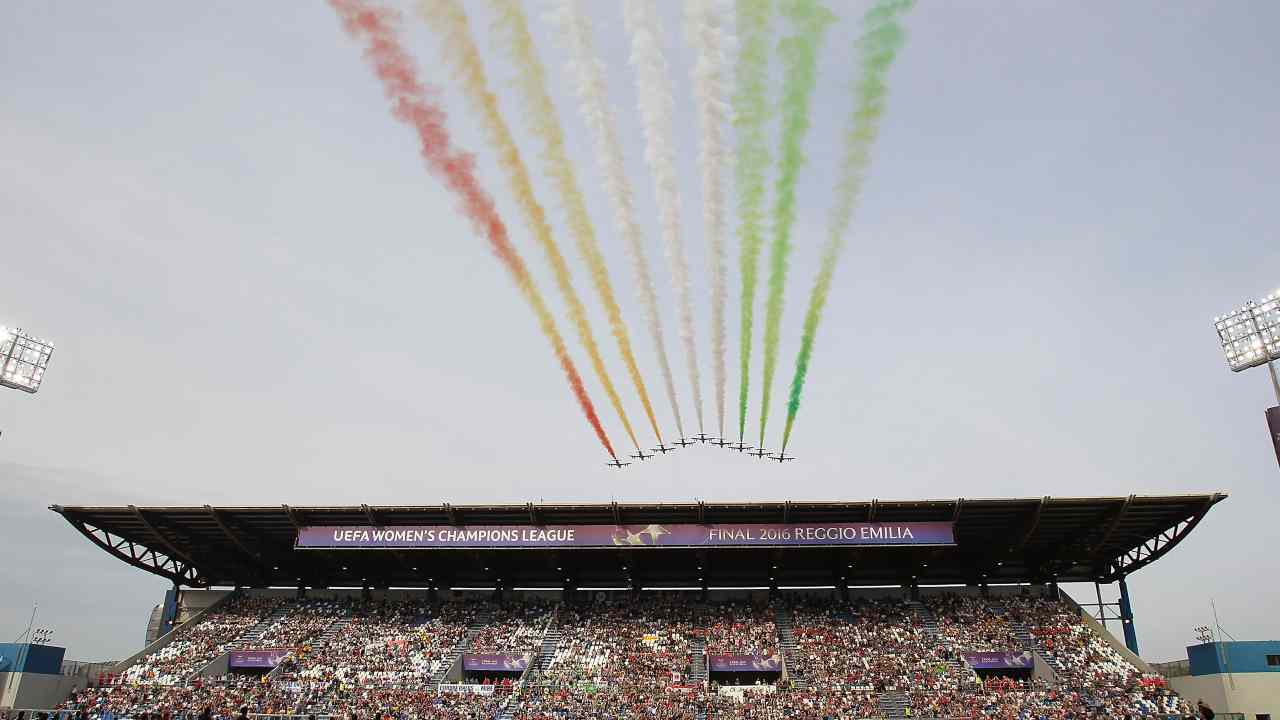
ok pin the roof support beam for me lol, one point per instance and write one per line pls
(617, 513)
(1115, 523)
(1033, 523)
(871, 511)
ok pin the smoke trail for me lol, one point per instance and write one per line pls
(376, 28)
(800, 60)
(750, 112)
(881, 39)
(655, 114)
(449, 19)
(712, 39)
(593, 100)
(532, 88)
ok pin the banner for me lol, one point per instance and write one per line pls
(495, 662)
(674, 535)
(999, 660)
(256, 658)
(467, 688)
(744, 663)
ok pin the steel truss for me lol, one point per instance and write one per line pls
(1153, 549)
(142, 556)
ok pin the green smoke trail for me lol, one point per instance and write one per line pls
(750, 113)
(882, 37)
(800, 73)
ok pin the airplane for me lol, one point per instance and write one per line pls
(722, 442)
(682, 442)
(617, 463)
(663, 449)
(761, 453)
(639, 455)
(703, 437)
(739, 447)
(782, 457)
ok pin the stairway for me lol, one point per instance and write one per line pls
(698, 661)
(455, 654)
(929, 622)
(893, 704)
(787, 641)
(927, 618)
(550, 642)
(258, 629)
(1032, 643)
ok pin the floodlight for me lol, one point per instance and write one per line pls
(23, 359)
(1250, 337)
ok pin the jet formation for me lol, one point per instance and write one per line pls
(702, 439)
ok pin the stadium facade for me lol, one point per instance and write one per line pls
(769, 592)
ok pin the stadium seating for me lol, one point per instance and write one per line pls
(641, 657)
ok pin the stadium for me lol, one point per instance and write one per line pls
(876, 609)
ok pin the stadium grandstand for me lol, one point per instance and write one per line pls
(694, 611)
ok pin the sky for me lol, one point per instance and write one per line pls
(259, 296)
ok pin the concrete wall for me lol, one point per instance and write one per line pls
(37, 690)
(1250, 693)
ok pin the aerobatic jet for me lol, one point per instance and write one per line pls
(703, 437)
(761, 453)
(721, 442)
(683, 442)
(782, 457)
(740, 447)
(639, 455)
(617, 463)
(663, 449)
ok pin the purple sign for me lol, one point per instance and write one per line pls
(999, 660)
(744, 663)
(256, 658)
(676, 535)
(495, 662)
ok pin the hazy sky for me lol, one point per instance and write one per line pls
(259, 296)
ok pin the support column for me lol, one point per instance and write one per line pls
(1126, 618)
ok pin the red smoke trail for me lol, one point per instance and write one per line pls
(376, 27)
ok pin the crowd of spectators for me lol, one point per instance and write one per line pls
(513, 627)
(788, 703)
(740, 628)
(592, 702)
(304, 620)
(877, 644)
(385, 644)
(413, 704)
(971, 624)
(205, 639)
(223, 699)
(631, 659)
(631, 643)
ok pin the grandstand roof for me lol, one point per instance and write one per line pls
(997, 541)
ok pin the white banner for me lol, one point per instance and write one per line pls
(467, 688)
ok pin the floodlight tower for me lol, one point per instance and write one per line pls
(23, 359)
(1250, 336)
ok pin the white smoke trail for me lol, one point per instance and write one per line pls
(655, 114)
(707, 25)
(587, 72)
